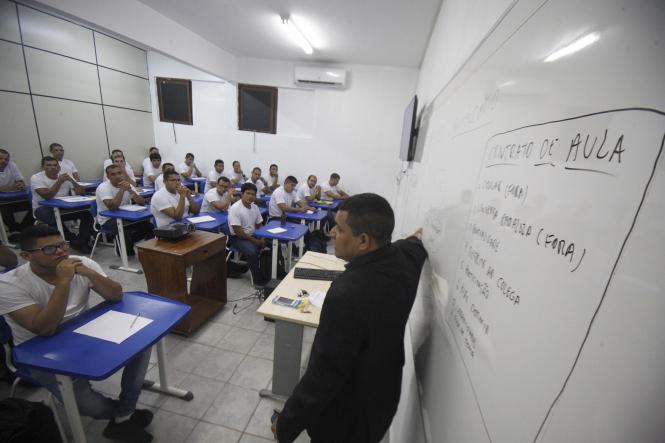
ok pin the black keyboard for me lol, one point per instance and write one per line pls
(315, 274)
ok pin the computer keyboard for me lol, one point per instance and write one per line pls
(315, 274)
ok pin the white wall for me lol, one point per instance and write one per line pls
(354, 131)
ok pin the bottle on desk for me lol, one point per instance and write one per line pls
(283, 219)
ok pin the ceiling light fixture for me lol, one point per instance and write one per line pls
(575, 46)
(297, 35)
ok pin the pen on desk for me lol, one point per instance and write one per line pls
(134, 321)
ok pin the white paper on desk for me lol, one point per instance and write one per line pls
(76, 198)
(277, 230)
(85, 184)
(201, 219)
(114, 326)
(310, 212)
(316, 298)
(135, 208)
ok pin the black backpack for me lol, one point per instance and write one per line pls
(316, 242)
(23, 421)
(265, 264)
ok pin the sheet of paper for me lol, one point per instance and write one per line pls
(201, 219)
(277, 230)
(114, 326)
(316, 298)
(76, 198)
(310, 212)
(135, 208)
(85, 184)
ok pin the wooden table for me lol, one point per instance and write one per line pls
(165, 263)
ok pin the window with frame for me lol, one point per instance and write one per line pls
(175, 100)
(257, 108)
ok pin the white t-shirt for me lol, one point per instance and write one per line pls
(247, 218)
(213, 176)
(163, 199)
(280, 196)
(304, 191)
(145, 163)
(150, 170)
(236, 177)
(128, 169)
(10, 175)
(212, 196)
(325, 187)
(259, 187)
(67, 166)
(107, 191)
(21, 288)
(159, 182)
(41, 181)
(182, 167)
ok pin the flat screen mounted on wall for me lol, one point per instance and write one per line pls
(407, 148)
(175, 100)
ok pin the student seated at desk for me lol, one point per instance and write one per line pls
(114, 193)
(216, 172)
(188, 168)
(54, 287)
(49, 184)
(159, 181)
(237, 176)
(261, 183)
(273, 178)
(309, 191)
(66, 166)
(11, 180)
(331, 190)
(173, 202)
(244, 219)
(284, 199)
(118, 158)
(146, 161)
(8, 259)
(152, 170)
(220, 198)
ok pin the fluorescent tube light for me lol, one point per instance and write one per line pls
(575, 46)
(296, 35)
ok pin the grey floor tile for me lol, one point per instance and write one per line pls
(270, 328)
(253, 373)
(264, 347)
(210, 333)
(239, 340)
(226, 316)
(259, 424)
(168, 427)
(155, 399)
(205, 391)
(246, 438)
(185, 356)
(209, 433)
(233, 407)
(218, 364)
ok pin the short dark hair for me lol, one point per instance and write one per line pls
(334, 175)
(223, 179)
(234, 162)
(48, 158)
(155, 156)
(54, 145)
(370, 214)
(151, 148)
(218, 161)
(28, 237)
(256, 168)
(310, 176)
(247, 187)
(273, 165)
(115, 151)
(291, 179)
(4, 151)
(111, 166)
(166, 165)
(189, 155)
(167, 174)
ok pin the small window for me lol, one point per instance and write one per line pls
(175, 100)
(257, 108)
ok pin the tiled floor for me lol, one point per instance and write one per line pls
(224, 364)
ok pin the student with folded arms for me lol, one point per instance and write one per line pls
(66, 166)
(188, 168)
(237, 176)
(309, 191)
(11, 180)
(244, 219)
(261, 183)
(331, 190)
(273, 177)
(219, 198)
(173, 202)
(284, 199)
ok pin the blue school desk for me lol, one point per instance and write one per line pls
(294, 232)
(5, 199)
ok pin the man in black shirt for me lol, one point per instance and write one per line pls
(351, 388)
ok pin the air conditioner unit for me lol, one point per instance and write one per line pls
(320, 77)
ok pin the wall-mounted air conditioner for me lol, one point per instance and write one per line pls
(320, 77)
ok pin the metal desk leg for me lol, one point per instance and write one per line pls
(163, 385)
(275, 245)
(67, 391)
(123, 250)
(301, 242)
(58, 221)
(286, 362)
(3, 234)
(289, 255)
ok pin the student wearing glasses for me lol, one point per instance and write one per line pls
(53, 287)
(173, 202)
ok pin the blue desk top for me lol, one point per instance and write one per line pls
(293, 231)
(15, 195)
(128, 215)
(93, 184)
(332, 206)
(61, 204)
(315, 216)
(69, 353)
(265, 198)
(212, 226)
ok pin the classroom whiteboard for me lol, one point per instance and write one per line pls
(541, 189)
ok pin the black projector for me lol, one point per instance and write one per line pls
(174, 232)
